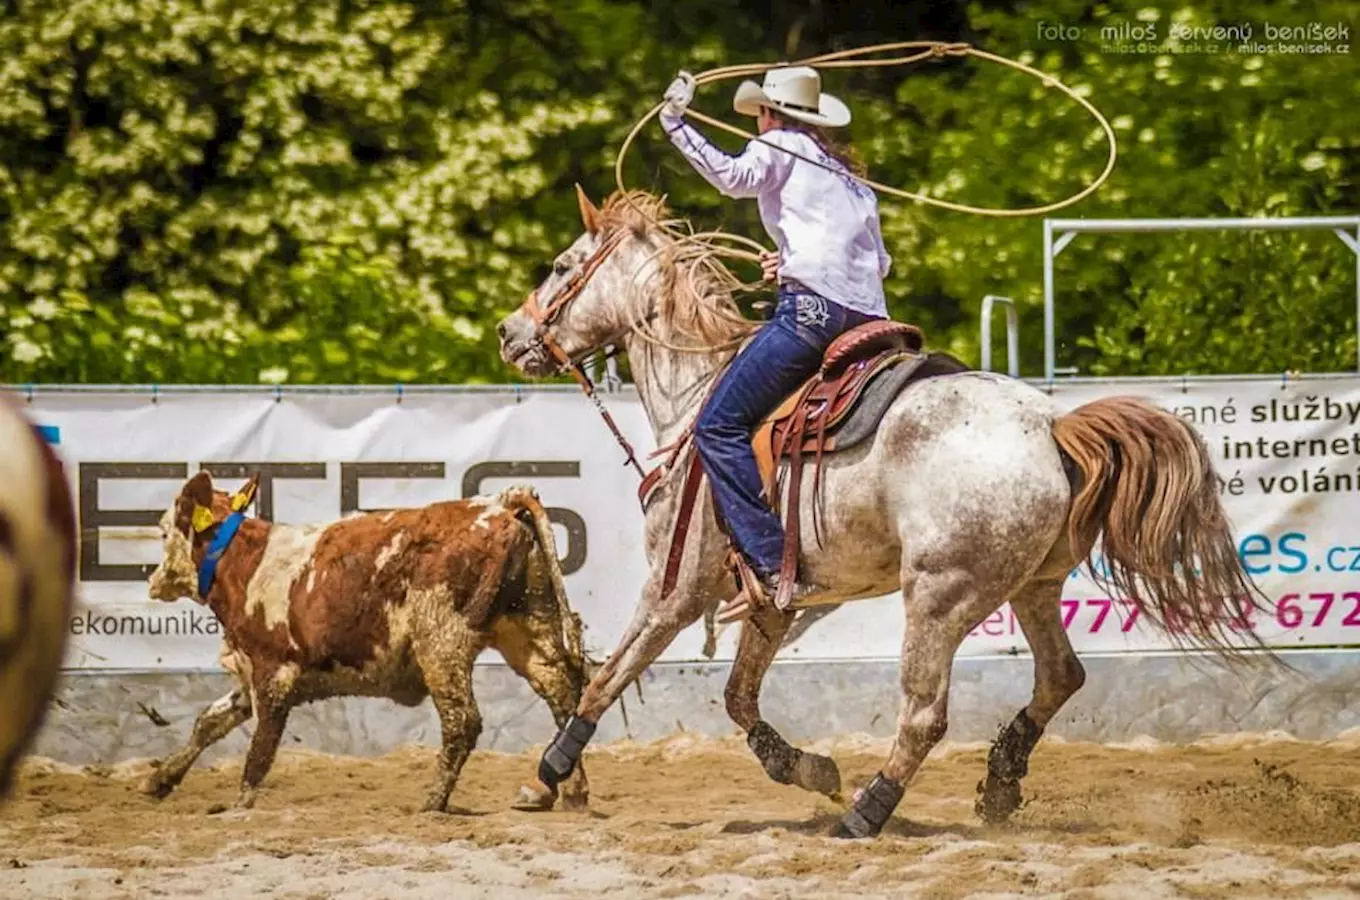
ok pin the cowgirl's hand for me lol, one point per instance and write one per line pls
(678, 96)
(769, 264)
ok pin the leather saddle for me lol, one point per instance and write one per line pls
(838, 407)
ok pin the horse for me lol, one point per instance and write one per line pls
(972, 491)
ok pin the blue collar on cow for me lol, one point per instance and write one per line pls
(207, 570)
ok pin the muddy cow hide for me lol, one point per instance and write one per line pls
(37, 582)
(393, 604)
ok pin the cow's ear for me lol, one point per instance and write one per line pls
(193, 507)
(200, 489)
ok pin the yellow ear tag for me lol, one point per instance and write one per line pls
(203, 518)
(242, 498)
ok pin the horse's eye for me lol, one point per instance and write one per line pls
(561, 267)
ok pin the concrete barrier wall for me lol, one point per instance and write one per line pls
(98, 718)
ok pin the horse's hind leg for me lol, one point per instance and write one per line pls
(761, 637)
(941, 608)
(1058, 674)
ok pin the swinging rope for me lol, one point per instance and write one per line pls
(846, 59)
(703, 248)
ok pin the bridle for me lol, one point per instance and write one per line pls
(544, 316)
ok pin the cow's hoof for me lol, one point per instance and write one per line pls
(247, 799)
(575, 801)
(155, 787)
(818, 774)
(535, 797)
(435, 805)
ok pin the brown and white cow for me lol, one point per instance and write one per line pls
(393, 604)
(37, 582)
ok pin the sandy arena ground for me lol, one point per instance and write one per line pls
(1254, 816)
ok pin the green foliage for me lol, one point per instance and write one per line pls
(355, 190)
(1200, 135)
(276, 189)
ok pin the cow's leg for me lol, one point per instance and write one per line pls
(272, 705)
(761, 637)
(446, 665)
(1058, 674)
(533, 647)
(653, 628)
(940, 609)
(212, 724)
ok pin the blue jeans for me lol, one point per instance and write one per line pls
(785, 352)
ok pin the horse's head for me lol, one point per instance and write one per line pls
(583, 303)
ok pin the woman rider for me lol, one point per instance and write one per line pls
(830, 263)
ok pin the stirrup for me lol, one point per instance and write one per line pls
(786, 598)
(751, 595)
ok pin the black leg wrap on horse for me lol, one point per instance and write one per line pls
(564, 752)
(872, 810)
(776, 755)
(1009, 756)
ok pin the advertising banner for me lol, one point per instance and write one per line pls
(1288, 452)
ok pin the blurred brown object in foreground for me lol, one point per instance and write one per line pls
(37, 581)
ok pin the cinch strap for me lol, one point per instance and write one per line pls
(207, 570)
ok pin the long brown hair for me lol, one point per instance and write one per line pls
(842, 151)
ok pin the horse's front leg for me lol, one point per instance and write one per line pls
(652, 630)
(761, 638)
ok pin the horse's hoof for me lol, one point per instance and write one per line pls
(851, 827)
(435, 805)
(998, 799)
(816, 773)
(158, 788)
(575, 802)
(536, 797)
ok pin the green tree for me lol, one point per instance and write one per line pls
(292, 190)
(1200, 134)
(355, 190)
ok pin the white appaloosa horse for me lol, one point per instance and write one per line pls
(973, 491)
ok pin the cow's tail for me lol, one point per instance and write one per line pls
(523, 499)
(1147, 489)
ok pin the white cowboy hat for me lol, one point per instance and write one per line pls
(796, 91)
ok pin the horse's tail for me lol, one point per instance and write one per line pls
(1148, 486)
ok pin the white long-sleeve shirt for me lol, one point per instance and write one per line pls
(825, 225)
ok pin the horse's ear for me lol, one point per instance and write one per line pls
(590, 215)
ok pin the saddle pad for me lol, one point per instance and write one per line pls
(880, 392)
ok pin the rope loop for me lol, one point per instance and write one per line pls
(845, 59)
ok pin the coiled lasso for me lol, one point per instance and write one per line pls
(846, 59)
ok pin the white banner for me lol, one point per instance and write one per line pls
(1289, 450)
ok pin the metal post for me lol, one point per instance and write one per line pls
(1343, 226)
(1012, 334)
(1050, 351)
(1354, 244)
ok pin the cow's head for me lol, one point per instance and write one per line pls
(187, 528)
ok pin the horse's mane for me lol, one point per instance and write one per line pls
(697, 289)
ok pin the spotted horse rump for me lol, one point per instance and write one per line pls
(394, 604)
